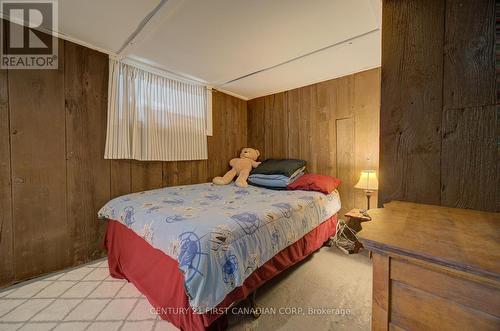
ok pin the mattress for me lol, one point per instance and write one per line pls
(156, 275)
(219, 235)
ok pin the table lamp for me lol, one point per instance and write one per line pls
(368, 182)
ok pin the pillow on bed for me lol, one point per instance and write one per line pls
(285, 167)
(315, 182)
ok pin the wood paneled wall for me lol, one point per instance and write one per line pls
(333, 125)
(53, 177)
(438, 123)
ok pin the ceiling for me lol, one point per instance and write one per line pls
(248, 48)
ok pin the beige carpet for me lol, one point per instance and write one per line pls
(327, 280)
(86, 298)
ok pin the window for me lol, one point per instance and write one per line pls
(151, 117)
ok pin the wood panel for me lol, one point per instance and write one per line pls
(304, 123)
(367, 128)
(199, 172)
(498, 157)
(497, 67)
(185, 172)
(275, 116)
(6, 226)
(438, 139)
(256, 138)
(38, 152)
(145, 175)
(469, 54)
(305, 127)
(411, 100)
(216, 143)
(345, 161)
(469, 160)
(240, 122)
(344, 96)
(293, 104)
(229, 116)
(120, 177)
(469, 139)
(87, 172)
(173, 172)
(324, 155)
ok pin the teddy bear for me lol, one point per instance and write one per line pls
(240, 167)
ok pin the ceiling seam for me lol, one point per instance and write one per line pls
(141, 25)
(300, 57)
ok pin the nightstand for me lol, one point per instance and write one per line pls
(354, 220)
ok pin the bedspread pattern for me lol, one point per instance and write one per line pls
(220, 234)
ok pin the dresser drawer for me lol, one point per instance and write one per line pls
(431, 298)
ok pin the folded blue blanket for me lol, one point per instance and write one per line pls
(274, 181)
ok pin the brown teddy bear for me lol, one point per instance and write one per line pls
(241, 167)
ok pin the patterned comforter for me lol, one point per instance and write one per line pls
(220, 234)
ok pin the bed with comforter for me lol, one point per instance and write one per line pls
(214, 243)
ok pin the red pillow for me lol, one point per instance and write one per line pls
(315, 182)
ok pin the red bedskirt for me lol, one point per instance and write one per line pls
(157, 276)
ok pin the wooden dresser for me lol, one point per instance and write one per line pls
(434, 268)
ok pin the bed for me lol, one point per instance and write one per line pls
(194, 250)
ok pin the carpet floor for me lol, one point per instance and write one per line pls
(327, 291)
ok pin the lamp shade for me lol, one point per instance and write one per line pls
(368, 180)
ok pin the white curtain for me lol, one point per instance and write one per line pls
(151, 117)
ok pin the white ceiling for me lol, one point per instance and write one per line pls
(357, 55)
(105, 24)
(268, 42)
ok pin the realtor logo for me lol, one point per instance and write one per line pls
(27, 34)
